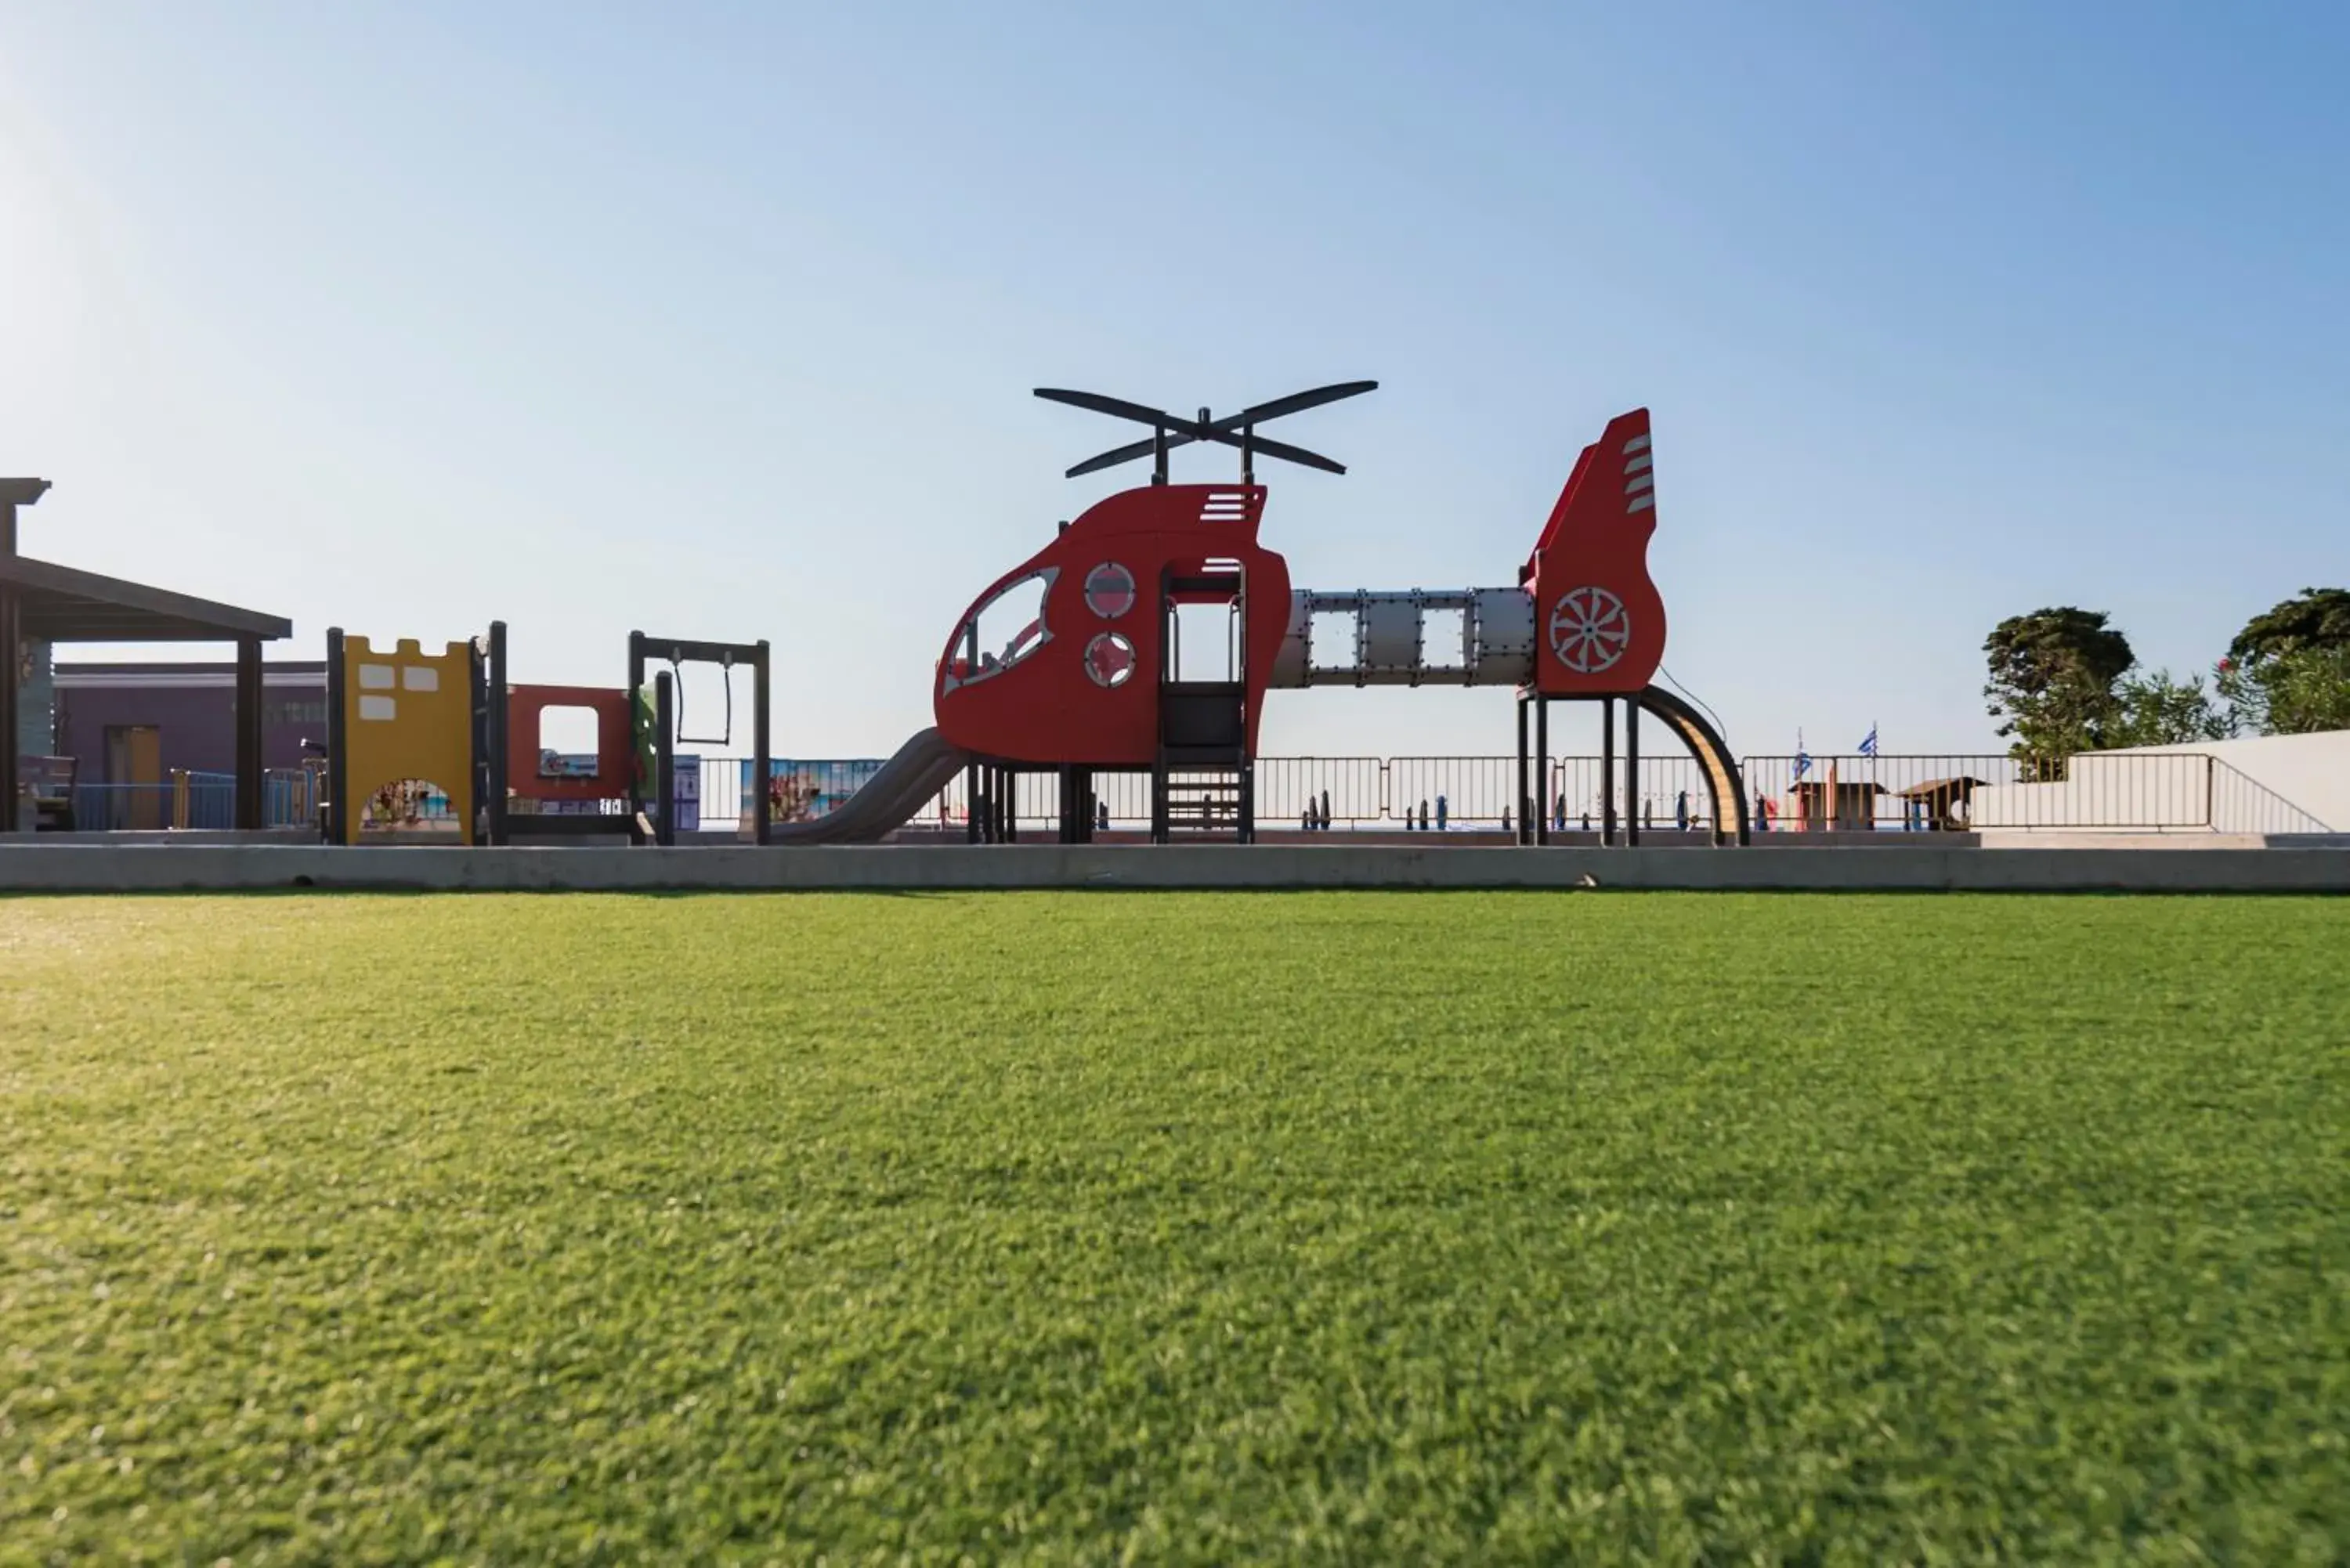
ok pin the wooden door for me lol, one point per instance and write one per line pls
(134, 762)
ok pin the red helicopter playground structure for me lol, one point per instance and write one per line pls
(1094, 679)
(1072, 665)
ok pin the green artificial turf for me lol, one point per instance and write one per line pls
(1118, 1228)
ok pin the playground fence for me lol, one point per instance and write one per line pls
(122, 807)
(2123, 792)
(190, 798)
(1285, 786)
(2119, 792)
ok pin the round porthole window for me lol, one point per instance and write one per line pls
(1109, 659)
(1109, 591)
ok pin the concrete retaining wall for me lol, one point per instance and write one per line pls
(75, 868)
(180, 837)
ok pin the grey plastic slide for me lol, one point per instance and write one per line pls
(886, 801)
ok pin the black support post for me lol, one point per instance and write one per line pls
(248, 734)
(664, 762)
(762, 739)
(636, 801)
(1542, 770)
(12, 637)
(1076, 804)
(1632, 773)
(14, 493)
(501, 714)
(1525, 828)
(477, 736)
(1607, 770)
(338, 741)
(971, 803)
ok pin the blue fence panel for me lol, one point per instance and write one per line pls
(212, 800)
(286, 801)
(120, 807)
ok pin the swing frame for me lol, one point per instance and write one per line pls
(729, 656)
(677, 679)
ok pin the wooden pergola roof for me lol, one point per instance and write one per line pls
(65, 604)
(43, 601)
(1961, 786)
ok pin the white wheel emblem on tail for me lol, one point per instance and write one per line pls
(1589, 629)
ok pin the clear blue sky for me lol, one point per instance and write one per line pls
(722, 320)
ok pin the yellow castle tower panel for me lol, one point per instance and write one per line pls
(407, 714)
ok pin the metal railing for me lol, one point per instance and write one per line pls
(122, 807)
(2115, 792)
(1286, 786)
(192, 798)
(2127, 792)
(1952, 792)
(1671, 793)
(1363, 793)
(2242, 804)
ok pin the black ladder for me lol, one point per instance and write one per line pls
(1192, 798)
(1203, 782)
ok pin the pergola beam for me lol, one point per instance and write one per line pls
(41, 601)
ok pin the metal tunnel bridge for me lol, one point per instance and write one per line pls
(1477, 636)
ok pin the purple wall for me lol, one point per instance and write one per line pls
(194, 706)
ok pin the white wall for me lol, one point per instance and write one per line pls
(2261, 783)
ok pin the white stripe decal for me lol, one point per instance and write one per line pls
(1637, 443)
(1641, 503)
(1639, 482)
(1634, 464)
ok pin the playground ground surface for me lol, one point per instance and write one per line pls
(1057, 1228)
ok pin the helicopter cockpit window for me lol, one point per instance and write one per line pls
(1007, 627)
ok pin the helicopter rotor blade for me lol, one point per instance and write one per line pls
(1174, 430)
(1264, 446)
(1117, 408)
(1296, 402)
(1111, 459)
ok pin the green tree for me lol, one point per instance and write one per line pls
(2288, 672)
(2155, 709)
(2317, 618)
(2052, 683)
(2296, 692)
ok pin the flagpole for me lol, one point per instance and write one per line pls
(1803, 766)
